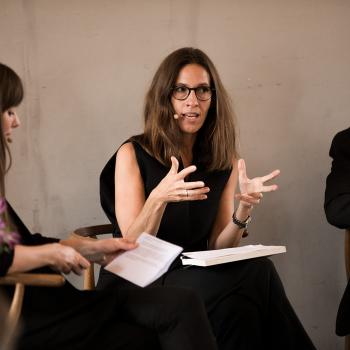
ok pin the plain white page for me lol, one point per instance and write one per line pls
(147, 262)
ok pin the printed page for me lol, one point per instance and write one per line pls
(147, 262)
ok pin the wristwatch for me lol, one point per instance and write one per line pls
(239, 223)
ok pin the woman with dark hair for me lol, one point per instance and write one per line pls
(66, 318)
(177, 180)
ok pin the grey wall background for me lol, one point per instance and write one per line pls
(86, 66)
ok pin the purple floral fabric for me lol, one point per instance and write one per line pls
(8, 240)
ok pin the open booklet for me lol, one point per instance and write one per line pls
(144, 264)
(221, 256)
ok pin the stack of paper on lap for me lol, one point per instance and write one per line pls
(221, 256)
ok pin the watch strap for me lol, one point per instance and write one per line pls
(239, 223)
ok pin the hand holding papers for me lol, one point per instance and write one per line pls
(221, 256)
(144, 264)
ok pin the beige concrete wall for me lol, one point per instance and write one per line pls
(86, 65)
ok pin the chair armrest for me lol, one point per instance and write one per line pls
(92, 231)
(33, 279)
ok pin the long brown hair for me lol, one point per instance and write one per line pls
(215, 145)
(11, 95)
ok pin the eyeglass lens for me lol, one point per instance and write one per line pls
(203, 93)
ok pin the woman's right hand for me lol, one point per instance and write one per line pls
(174, 188)
(59, 257)
(64, 259)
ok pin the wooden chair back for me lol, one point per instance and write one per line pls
(91, 232)
(20, 281)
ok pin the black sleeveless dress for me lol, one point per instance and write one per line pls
(245, 300)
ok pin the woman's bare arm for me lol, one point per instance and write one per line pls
(61, 258)
(225, 233)
(134, 213)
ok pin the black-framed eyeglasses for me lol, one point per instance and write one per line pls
(203, 93)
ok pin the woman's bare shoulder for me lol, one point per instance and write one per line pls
(126, 152)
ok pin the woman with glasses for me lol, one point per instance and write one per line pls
(177, 181)
(67, 318)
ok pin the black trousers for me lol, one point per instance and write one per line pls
(245, 301)
(133, 319)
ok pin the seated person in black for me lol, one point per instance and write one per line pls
(337, 208)
(67, 318)
(178, 181)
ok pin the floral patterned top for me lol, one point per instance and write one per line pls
(8, 238)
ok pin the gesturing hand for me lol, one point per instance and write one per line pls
(174, 188)
(251, 189)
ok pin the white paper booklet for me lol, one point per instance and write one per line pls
(144, 264)
(221, 256)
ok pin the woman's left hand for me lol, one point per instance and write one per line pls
(107, 249)
(251, 189)
(99, 251)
